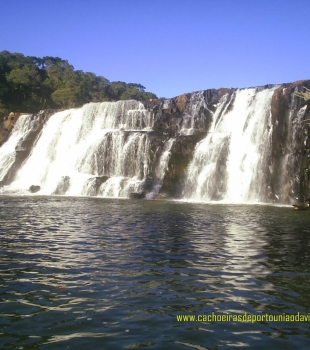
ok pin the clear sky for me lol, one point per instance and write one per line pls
(169, 46)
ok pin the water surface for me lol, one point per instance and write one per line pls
(114, 274)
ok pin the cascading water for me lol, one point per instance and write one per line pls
(7, 151)
(219, 145)
(104, 140)
(129, 164)
(229, 163)
(192, 120)
(161, 168)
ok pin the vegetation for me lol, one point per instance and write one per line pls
(29, 84)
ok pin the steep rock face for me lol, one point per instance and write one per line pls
(7, 126)
(285, 165)
(147, 150)
(287, 158)
(186, 114)
(187, 119)
(181, 155)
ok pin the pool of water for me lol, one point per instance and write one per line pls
(118, 274)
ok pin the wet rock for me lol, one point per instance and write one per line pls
(181, 154)
(92, 185)
(147, 184)
(101, 179)
(34, 188)
(7, 126)
(137, 195)
(287, 130)
(63, 185)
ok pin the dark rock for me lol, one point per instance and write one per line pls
(173, 114)
(7, 126)
(101, 179)
(93, 184)
(181, 154)
(285, 133)
(147, 184)
(137, 195)
(63, 185)
(34, 189)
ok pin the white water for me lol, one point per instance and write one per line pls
(105, 149)
(191, 120)
(129, 164)
(124, 115)
(227, 163)
(7, 151)
(161, 168)
(80, 144)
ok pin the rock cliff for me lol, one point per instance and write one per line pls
(163, 136)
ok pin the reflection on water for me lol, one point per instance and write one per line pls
(77, 272)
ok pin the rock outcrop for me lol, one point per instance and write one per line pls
(34, 188)
(186, 120)
(7, 126)
(288, 143)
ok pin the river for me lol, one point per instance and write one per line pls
(97, 273)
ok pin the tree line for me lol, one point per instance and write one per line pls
(29, 84)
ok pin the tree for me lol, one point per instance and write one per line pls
(25, 85)
(66, 98)
(27, 75)
(29, 83)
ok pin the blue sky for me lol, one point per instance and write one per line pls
(172, 46)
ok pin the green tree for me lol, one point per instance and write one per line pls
(25, 86)
(66, 98)
(29, 83)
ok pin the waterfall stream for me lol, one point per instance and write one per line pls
(100, 139)
(7, 150)
(228, 164)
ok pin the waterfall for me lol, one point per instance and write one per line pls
(193, 121)
(80, 148)
(7, 151)
(229, 163)
(161, 168)
(228, 145)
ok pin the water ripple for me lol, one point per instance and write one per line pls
(101, 273)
